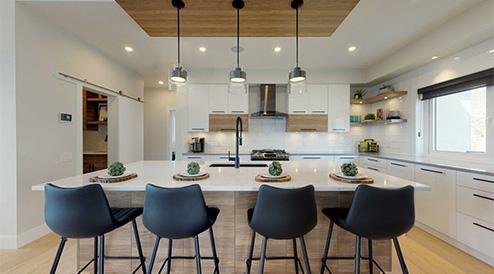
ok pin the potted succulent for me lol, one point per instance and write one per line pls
(386, 88)
(116, 169)
(275, 169)
(193, 168)
(359, 94)
(349, 169)
(369, 117)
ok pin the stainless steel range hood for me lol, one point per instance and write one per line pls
(267, 103)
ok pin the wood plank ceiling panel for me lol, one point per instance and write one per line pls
(259, 18)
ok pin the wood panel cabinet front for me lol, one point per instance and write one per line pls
(307, 123)
(227, 122)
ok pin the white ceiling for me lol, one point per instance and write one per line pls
(377, 28)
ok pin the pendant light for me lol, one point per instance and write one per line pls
(296, 75)
(178, 75)
(238, 76)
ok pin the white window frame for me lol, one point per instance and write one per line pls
(484, 157)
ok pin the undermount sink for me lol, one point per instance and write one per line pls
(233, 165)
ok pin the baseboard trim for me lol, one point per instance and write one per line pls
(486, 259)
(32, 234)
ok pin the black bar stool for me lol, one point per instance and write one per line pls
(375, 214)
(84, 212)
(179, 213)
(282, 214)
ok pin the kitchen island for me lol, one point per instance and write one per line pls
(234, 191)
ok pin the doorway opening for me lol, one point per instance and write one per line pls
(95, 131)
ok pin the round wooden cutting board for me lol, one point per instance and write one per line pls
(110, 180)
(351, 181)
(179, 177)
(262, 179)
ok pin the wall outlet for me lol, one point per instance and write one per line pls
(65, 117)
(65, 157)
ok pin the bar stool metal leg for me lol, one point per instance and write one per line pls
(101, 257)
(263, 255)
(95, 256)
(139, 247)
(326, 249)
(357, 255)
(169, 261)
(215, 255)
(59, 254)
(251, 251)
(306, 257)
(404, 268)
(153, 255)
(295, 256)
(371, 257)
(198, 254)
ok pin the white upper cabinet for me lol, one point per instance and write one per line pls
(223, 102)
(198, 108)
(218, 99)
(313, 101)
(339, 108)
(238, 102)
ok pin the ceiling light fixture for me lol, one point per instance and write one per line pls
(161, 83)
(128, 49)
(237, 75)
(491, 51)
(434, 57)
(352, 48)
(277, 49)
(202, 49)
(178, 75)
(297, 75)
(456, 58)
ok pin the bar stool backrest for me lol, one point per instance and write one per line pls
(284, 213)
(378, 213)
(175, 213)
(79, 212)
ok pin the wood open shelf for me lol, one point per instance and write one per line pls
(97, 122)
(379, 98)
(380, 122)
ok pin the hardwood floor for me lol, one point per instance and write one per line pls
(423, 252)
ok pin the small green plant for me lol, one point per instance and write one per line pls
(349, 169)
(193, 168)
(370, 116)
(275, 169)
(116, 169)
(360, 93)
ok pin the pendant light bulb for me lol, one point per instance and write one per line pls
(178, 75)
(296, 75)
(238, 76)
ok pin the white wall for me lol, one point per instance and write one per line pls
(159, 102)
(8, 180)
(404, 139)
(46, 148)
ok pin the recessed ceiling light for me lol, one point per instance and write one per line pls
(202, 49)
(457, 58)
(161, 82)
(129, 49)
(277, 49)
(386, 98)
(491, 51)
(352, 48)
(434, 57)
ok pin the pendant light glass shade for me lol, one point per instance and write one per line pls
(237, 75)
(178, 75)
(296, 75)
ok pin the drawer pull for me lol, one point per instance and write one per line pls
(237, 111)
(312, 158)
(227, 129)
(372, 160)
(298, 111)
(400, 165)
(218, 111)
(483, 180)
(318, 111)
(197, 128)
(308, 129)
(484, 227)
(483, 197)
(433, 171)
(371, 168)
(347, 158)
(339, 129)
(194, 157)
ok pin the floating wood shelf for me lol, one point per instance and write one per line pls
(97, 122)
(380, 122)
(379, 98)
(99, 100)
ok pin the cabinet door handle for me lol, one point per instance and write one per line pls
(227, 129)
(197, 128)
(484, 180)
(371, 168)
(223, 157)
(308, 129)
(372, 160)
(318, 111)
(483, 197)
(433, 171)
(312, 158)
(340, 129)
(346, 158)
(194, 157)
(298, 111)
(484, 227)
(396, 164)
(237, 111)
(218, 111)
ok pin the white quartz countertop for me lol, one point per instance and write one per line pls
(231, 179)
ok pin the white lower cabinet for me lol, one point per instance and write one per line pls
(437, 208)
(401, 169)
(373, 163)
(476, 203)
(476, 234)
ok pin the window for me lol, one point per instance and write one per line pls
(459, 122)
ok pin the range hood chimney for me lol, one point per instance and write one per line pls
(267, 106)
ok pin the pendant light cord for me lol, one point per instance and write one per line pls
(238, 37)
(178, 35)
(296, 34)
